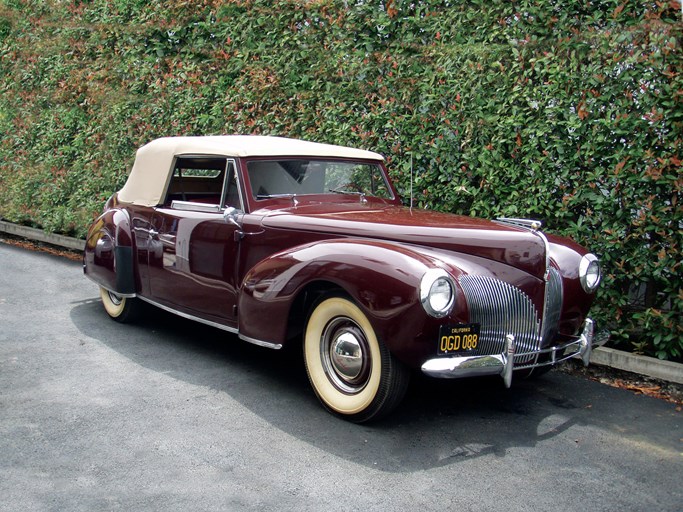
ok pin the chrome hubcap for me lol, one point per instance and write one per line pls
(346, 355)
(344, 352)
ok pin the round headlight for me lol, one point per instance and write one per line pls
(589, 272)
(437, 292)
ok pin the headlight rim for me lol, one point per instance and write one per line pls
(586, 261)
(427, 282)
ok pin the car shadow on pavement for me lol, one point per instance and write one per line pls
(440, 422)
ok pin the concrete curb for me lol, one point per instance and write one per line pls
(642, 365)
(39, 235)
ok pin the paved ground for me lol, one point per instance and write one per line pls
(171, 415)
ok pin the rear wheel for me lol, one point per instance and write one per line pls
(121, 309)
(353, 374)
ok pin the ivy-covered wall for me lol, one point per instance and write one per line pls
(565, 110)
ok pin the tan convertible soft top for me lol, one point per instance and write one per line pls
(150, 173)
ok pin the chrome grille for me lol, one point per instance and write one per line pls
(502, 309)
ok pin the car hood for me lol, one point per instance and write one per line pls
(491, 240)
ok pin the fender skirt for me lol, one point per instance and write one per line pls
(125, 275)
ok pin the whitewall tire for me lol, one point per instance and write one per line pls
(353, 374)
(121, 309)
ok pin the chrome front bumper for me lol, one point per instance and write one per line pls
(456, 367)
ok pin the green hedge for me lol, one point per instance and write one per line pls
(568, 111)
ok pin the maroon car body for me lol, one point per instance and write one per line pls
(284, 241)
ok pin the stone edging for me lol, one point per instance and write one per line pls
(643, 365)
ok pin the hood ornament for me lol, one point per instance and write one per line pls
(533, 225)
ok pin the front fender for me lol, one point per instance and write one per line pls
(381, 277)
(576, 302)
(108, 258)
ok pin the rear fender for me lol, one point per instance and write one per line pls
(108, 257)
(381, 277)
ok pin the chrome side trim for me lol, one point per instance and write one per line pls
(233, 330)
(188, 316)
(260, 343)
(195, 207)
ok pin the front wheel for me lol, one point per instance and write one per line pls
(353, 374)
(121, 309)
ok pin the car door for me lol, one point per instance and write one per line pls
(194, 270)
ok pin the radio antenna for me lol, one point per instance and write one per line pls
(411, 182)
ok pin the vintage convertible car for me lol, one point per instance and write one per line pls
(282, 241)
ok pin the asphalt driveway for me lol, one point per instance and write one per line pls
(171, 415)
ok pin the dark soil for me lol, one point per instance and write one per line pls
(40, 246)
(642, 384)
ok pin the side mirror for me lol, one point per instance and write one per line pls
(231, 215)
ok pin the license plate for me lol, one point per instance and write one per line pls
(459, 338)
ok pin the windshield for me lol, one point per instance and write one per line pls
(278, 178)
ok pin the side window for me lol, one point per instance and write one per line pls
(204, 184)
(197, 180)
